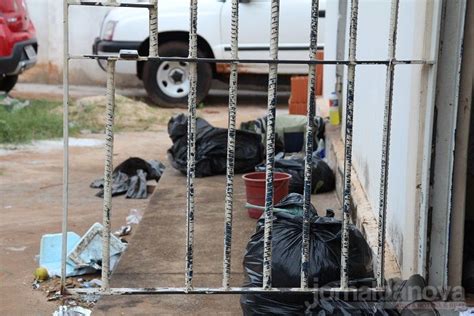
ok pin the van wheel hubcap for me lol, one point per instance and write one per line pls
(173, 78)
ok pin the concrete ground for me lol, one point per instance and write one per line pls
(31, 205)
(156, 254)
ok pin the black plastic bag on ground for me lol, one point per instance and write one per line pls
(322, 180)
(211, 148)
(325, 257)
(401, 297)
(130, 178)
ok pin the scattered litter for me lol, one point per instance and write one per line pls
(211, 148)
(92, 283)
(12, 104)
(322, 177)
(123, 231)
(468, 312)
(134, 217)
(41, 274)
(16, 249)
(88, 251)
(7, 206)
(72, 311)
(50, 253)
(325, 252)
(84, 254)
(130, 178)
(56, 296)
(289, 131)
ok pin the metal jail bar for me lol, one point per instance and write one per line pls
(348, 145)
(270, 150)
(108, 168)
(234, 61)
(191, 145)
(392, 43)
(229, 192)
(313, 47)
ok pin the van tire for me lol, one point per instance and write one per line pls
(167, 83)
(7, 82)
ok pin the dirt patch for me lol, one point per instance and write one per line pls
(130, 114)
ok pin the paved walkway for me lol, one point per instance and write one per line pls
(156, 253)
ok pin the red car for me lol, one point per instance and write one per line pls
(18, 45)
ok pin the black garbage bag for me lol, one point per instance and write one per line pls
(293, 204)
(468, 265)
(259, 126)
(335, 306)
(325, 252)
(323, 179)
(130, 178)
(401, 297)
(211, 148)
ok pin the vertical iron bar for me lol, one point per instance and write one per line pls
(191, 145)
(392, 43)
(153, 29)
(270, 161)
(66, 142)
(309, 143)
(348, 144)
(231, 144)
(108, 168)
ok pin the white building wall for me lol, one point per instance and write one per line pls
(330, 36)
(84, 27)
(373, 25)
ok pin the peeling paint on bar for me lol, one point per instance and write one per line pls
(233, 63)
(348, 145)
(108, 169)
(64, 224)
(309, 144)
(205, 290)
(392, 43)
(190, 208)
(153, 29)
(262, 61)
(270, 148)
(110, 3)
(229, 197)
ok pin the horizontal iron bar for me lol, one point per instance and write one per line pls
(261, 61)
(109, 4)
(205, 290)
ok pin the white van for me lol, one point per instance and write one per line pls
(167, 83)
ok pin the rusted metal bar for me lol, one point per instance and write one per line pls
(153, 29)
(108, 168)
(191, 145)
(270, 148)
(65, 143)
(264, 61)
(309, 144)
(111, 3)
(348, 145)
(229, 198)
(210, 290)
(392, 44)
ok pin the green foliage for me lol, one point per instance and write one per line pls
(40, 120)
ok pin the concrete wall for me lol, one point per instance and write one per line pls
(374, 16)
(85, 22)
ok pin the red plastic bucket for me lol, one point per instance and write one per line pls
(255, 189)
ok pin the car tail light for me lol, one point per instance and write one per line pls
(109, 30)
